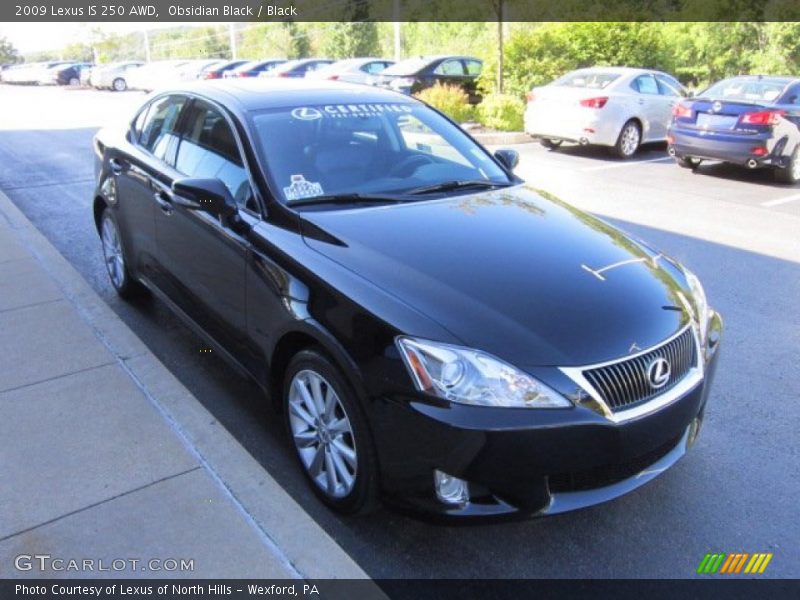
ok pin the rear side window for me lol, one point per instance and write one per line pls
(645, 84)
(160, 125)
(450, 67)
(667, 86)
(474, 67)
(792, 95)
(208, 150)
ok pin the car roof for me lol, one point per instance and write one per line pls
(256, 94)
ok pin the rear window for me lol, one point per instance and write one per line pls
(594, 80)
(746, 90)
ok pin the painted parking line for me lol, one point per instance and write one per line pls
(779, 201)
(628, 163)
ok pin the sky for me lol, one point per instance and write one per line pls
(33, 37)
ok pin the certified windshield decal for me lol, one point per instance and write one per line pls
(301, 188)
(338, 111)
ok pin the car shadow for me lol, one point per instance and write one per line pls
(762, 176)
(605, 154)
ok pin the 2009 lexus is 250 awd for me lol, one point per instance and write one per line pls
(434, 331)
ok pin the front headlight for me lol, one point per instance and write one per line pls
(472, 377)
(701, 304)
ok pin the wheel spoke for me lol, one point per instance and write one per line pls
(341, 469)
(300, 385)
(300, 413)
(330, 473)
(306, 439)
(315, 466)
(339, 426)
(330, 403)
(345, 452)
(316, 395)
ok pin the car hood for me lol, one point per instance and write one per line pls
(514, 272)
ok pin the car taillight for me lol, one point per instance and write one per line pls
(598, 102)
(284, 74)
(246, 74)
(213, 76)
(530, 97)
(333, 77)
(681, 110)
(763, 117)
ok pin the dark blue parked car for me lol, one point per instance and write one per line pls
(752, 121)
(297, 68)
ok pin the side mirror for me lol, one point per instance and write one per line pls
(209, 195)
(508, 158)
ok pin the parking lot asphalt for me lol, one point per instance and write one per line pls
(736, 491)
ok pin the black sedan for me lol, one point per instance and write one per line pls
(415, 74)
(434, 331)
(71, 74)
(752, 121)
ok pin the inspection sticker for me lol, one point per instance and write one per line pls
(301, 188)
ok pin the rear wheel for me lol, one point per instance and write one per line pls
(74, 82)
(628, 141)
(114, 258)
(119, 85)
(791, 174)
(550, 144)
(687, 162)
(330, 434)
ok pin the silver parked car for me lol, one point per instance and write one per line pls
(353, 70)
(619, 107)
(114, 76)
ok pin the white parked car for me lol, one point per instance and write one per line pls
(113, 76)
(353, 70)
(157, 74)
(619, 107)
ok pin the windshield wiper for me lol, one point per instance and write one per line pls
(352, 198)
(456, 184)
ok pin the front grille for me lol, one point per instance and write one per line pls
(624, 384)
(608, 474)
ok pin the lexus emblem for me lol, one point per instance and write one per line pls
(306, 113)
(658, 372)
(717, 106)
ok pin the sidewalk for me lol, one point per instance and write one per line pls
(104, 455)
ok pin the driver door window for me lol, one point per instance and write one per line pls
(208, 150)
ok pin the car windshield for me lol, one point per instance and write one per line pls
(747, 90)
(596, 80)
(367, 149)
(406, 67)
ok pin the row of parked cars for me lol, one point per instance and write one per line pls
(752, 120)
(407, 76)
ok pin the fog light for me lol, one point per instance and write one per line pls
(694, 431)
(449, 489)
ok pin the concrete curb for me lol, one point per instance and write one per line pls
(280, 522)
(502, 138)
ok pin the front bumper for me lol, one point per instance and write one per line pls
(522, 462)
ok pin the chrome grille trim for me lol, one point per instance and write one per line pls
(620, 388)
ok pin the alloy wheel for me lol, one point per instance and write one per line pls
(112, 253)
(322, 433)
(630, 139)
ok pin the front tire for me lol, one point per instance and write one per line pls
(791, 174)
(114, 258)
(630, 137)
(330, 434)
(119, 85)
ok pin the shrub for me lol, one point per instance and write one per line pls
(450, 99)
(501, 111)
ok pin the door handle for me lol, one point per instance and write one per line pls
(116, 166)
(164, 201)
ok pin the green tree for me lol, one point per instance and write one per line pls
(299, 44)
(8, 54)
(349, 39)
